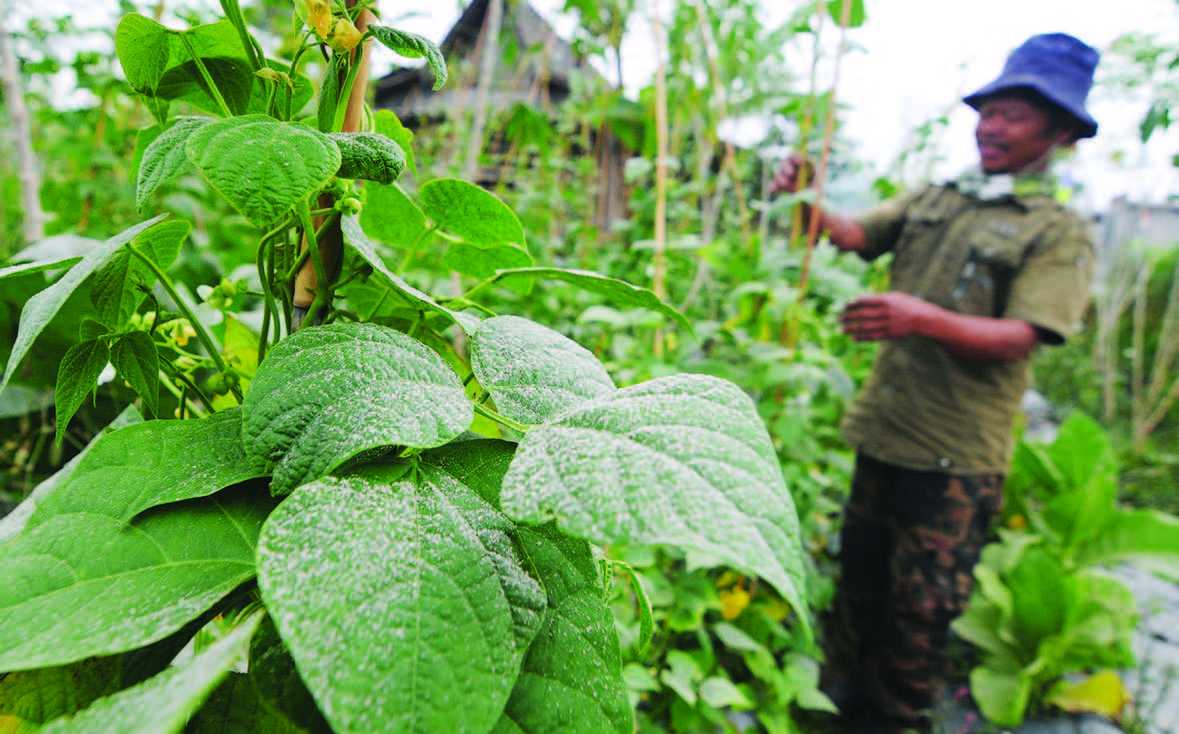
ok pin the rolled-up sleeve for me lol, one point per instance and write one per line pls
(1051, 290)
(883, 225)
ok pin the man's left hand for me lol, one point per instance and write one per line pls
(885, 316)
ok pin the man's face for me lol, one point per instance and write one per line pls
(1014, 135)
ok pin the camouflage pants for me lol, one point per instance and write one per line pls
(910, 541)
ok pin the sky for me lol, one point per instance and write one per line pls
(912, 61)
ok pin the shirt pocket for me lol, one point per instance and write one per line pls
(994, 256)
(925, 225)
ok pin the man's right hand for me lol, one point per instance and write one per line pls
(795, 173)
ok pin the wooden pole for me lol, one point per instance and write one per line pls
(18, 113)
(659, 284)
(331, 243)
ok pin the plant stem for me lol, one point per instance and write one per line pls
(503, 420)
(202, 334)
(200, 65)
(323, 291)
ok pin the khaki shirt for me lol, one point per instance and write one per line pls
(1016, 257)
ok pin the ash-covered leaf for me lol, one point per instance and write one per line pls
(399, 599)
(369, 156)
(328, 393)
(682, 461)
(263, 167)
(532, 372)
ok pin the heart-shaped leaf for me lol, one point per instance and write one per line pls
(164, 158)
(471, 214)
(263, 167)
(482, 262)
(396, 595)
(682, 461)
(77, 376)
(369, 156)
(387, 123)
(41, 308)
(391, 217)
(327, 393)
(532, 372)
(571, 678)
(413, 46)
(135, 360)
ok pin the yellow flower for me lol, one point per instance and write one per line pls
(345, 36)
(733, 602)
(317, 14)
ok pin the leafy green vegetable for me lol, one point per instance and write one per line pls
(413, 46)
(471, 214)
(263, 167)
(163, 704)
(680, 460)
(532, 372)
(430, 561)
(369, 156)
(328, 393)
(41, 308)
(387, 123)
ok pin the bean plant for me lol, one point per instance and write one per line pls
(385, 502)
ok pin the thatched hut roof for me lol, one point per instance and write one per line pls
(407, 91)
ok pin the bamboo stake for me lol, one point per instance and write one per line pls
(659, 284)
(804, 130)
(821, 174)
(331, 242)
(18, 113)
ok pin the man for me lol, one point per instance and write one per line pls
(985, 268)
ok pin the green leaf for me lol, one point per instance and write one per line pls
(1133, 534)
(84, 584)
(1082, 451)
(158, 63)
(77, 377)
(164, 158)
(532, 372)
(388, 124)
(683, 461)
(120, 286)
(471, 214)
(329, 95)
(14, 522)
(428, 562)
(1001, 695)
(571, 678)
(327, 393)
(720, 692)
(270, 698)
(164, 703)
(617, 292)
(31, 698)
(143, 48)
(391, 217)
(18, 400)
(413, 46)
(355, 238)
(39, 310)
(263, 167)
(1042, 595)
(136, 361)
(482, 262)
(297, 94)
(369, 156)
(141, 466)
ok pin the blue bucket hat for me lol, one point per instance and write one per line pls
(1058, 67)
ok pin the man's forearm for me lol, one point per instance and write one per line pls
(846, 233)
(978, 337)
